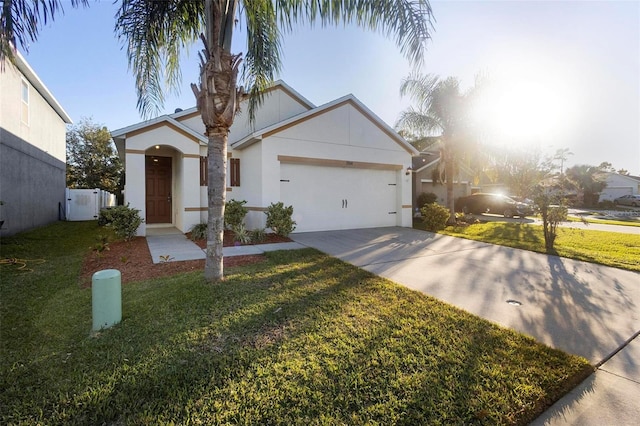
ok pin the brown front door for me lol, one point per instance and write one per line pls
(158, 172)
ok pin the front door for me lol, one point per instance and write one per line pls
(158, 184)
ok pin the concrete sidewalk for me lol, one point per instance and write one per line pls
(177, 247)
(581, 308)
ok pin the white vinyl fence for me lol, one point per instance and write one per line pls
(85, 204)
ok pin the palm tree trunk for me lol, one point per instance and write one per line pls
(216, 197)
(218, 102)
(449, 170)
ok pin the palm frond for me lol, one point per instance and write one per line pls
(409, 22)
(22, 20)
(419, 88)
(263, 56)
(155, 33)
(418, 123)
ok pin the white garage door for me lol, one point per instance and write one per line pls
(327, 198)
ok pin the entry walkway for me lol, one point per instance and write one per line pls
(174, 247)
(581, 308)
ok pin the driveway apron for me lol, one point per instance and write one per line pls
(579, 307)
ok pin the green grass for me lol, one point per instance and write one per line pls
(300, 339)
(606, 248)
(633, 221)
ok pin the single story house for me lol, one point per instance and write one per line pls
(426, 170)
(619, 185)
(338, 165)
(32, 150)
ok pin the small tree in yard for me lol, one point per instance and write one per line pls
(553, 212)
(92, 160)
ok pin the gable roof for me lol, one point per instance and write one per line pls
(175, 120)
(630, 177)
(154, 123)
(32, 77)
(258, 135)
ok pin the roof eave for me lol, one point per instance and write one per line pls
(35, 81)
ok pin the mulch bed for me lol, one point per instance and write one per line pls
(133, 260)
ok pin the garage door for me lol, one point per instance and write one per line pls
(327, 198)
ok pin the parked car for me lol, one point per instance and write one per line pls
(492, 203)
(628, 200)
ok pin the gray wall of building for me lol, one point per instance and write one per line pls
(32, 185)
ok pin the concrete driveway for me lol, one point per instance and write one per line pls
(581, 308)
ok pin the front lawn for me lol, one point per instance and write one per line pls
(606, 248)
(302, 338)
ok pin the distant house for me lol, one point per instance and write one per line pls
(619, 185)
(32, 150)
(337, 164)
(426, 178)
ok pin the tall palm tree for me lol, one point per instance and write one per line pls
(155, 32)
(439, 109)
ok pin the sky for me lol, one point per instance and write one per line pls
(570, 70)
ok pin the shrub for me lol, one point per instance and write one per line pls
(104, 218)
(258, 235)
(434, 217)
(607, 205)
(241, 234)
(279, 218)
(466, 218)
(234, 213)
(426, 198)
(199, 231)
(124, 220)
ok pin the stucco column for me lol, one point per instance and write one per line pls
(134, 189)
(191, 192)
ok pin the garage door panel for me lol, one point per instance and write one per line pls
(327, 198)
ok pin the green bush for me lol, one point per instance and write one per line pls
(199, 231)
(234, 213)
(124, 220)
(241, 234)
(426, 198)
(607, 204)
(279, 218)
(258, 235)
(434, 216)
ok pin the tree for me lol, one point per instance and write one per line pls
(440, 107)
(92, 160)
(519, 169)
(562, 155)
(155, 33)
(589, 180)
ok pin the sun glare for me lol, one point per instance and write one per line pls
(525, 103)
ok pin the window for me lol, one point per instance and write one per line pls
(235, 171)
(25, 102)
(203, 171)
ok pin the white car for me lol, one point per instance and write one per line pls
(628, 200)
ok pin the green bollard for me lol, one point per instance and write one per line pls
(106, 298)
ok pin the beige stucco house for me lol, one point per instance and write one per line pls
(338, 165)
(619, 185)
(32, 150)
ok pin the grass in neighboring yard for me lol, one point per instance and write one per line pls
(632, 221)
(606, 248)
(300, 339)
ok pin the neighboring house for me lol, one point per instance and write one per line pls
(425, 177)
(338, 165)
(619, 185)
(32, 150)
